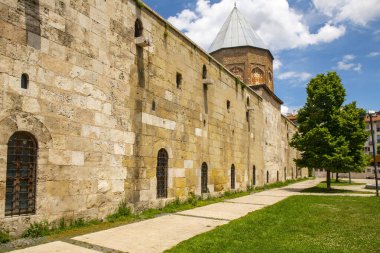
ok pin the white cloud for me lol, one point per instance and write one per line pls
(374, 54)
(347, 63)
(356, 11)
(286, 109)
(294, 76)
(349, 57)
(358, 68)
(277, 64)
(280, 26)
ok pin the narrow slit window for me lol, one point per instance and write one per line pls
(179, 80)
(138, 28)
(248, 121)
(24, 81)
(254, 175)
(204, 72)
(228, 105)
(154, 106)
(205, 100)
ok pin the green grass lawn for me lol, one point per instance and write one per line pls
(63, 229)
(298, 224)
(322, 188)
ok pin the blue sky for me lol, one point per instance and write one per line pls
(307, 37)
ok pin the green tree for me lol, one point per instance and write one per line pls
(330, 136)
(352, 127)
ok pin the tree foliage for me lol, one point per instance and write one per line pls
(331, 136)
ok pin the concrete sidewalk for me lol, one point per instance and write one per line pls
(161, 233)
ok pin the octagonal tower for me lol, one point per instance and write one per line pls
(242, 51)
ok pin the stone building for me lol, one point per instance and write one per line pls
(104, 101)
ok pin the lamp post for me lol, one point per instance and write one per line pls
(371, 114)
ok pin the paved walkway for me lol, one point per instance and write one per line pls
(161, 233)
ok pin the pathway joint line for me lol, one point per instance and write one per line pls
(274, 196)
(201, 217)
(244, 203)
(91, 246)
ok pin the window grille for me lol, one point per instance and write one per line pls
(162, 174)
(204, 177)
(21, 174)
(233, 176)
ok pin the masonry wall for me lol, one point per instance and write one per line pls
(89, 105)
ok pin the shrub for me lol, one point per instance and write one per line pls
(37, 229)
(122, 211)
(193, 199)
(78, 223)
(4, 237)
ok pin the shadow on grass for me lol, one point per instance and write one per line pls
(322, 188)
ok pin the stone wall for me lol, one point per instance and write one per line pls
(90, 100)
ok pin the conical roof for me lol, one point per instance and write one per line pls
(236, 32)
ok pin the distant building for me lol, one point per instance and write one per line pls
(292, 118)
(368, 147)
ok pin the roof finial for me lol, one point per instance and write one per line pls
(235, 4)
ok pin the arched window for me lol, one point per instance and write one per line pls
(270, 78)
(204, 176)
(254, 175)
(162, 173)
(20, 193)
(257, 76)
(204, 72)
(267, 176)
(248, 102)
(278, 176)
(24, 81)
(238, 72)
(138, 28)
(232, 176)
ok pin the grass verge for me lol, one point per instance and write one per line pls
(298, 224)
(62, 228)
(322, 188)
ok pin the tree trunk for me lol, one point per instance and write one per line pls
(328, 180)
(349, 177)
(337, 177)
